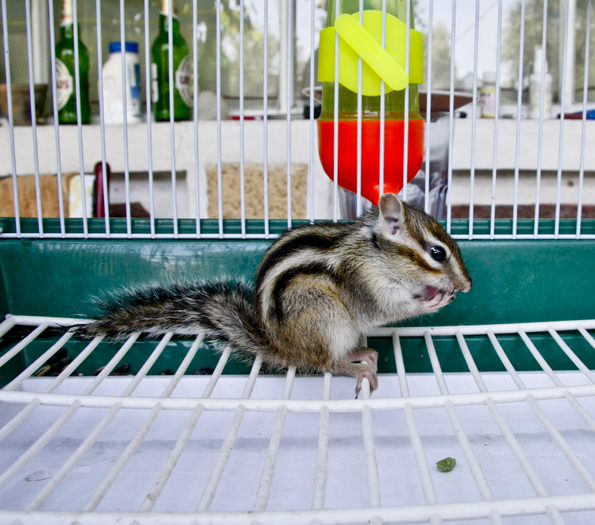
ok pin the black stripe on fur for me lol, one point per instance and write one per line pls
(284, 280)
(314, 240)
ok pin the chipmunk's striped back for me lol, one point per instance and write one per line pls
(351, 255)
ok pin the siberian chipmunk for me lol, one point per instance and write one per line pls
(318, 288)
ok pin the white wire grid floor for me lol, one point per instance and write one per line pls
(300, 449)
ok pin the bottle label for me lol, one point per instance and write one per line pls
(133, 80)
(183, 80)
(154, 85)
(488, 103)
(64, 84)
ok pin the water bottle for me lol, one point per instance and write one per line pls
(378, 64)
(113, 100)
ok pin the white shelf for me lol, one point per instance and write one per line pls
(138, 154)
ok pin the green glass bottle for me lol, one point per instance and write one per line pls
(65, 72)
(182, 65)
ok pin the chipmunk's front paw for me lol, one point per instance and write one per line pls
(366, 361)
(361, 364)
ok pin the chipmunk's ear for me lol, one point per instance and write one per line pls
(391, 216)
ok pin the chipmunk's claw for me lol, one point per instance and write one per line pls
(367, 362)
(370, 375)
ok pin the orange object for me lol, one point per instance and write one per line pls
(394, 142)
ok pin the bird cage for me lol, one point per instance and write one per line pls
(485, 411)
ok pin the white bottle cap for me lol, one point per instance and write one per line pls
(489, 77)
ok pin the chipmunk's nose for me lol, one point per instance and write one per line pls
(462, 284)
(467, 285)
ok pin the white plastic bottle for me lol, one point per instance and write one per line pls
(113, 111)
(488, 95)
(535, 88)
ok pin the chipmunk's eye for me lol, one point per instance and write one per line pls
(438, 253)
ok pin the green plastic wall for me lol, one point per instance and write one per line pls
(513, 281)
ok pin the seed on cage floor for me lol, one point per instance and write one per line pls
(122, 370)
(43, 371)
(167, 372)
(205, 371)
(55, 364)
(60, 365)
(446, 464)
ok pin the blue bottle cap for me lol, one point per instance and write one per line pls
(129, 47)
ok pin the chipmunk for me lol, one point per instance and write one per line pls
(318, 288)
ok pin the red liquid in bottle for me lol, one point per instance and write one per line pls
(370, 154)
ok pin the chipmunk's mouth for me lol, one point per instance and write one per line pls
(433, 297)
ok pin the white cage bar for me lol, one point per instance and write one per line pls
(287, 448)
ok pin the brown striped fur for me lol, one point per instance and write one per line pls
(317, 289)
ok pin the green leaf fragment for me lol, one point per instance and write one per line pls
(446, 464)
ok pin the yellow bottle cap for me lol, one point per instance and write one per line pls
(378, 64)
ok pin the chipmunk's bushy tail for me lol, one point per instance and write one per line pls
(222, 310)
